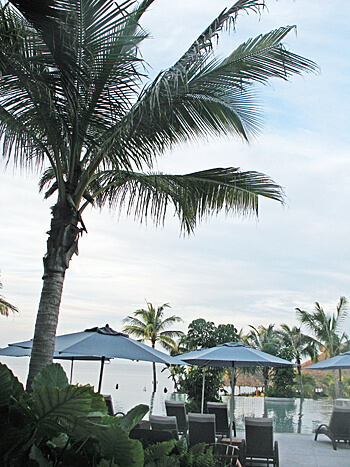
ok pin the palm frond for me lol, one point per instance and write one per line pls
(204, 42)
(193, 196)
(6, 307)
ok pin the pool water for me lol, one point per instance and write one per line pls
(289, 416)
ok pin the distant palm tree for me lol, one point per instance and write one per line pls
(6, 307)
(265, 339)
(301, 345)
(327, 330)
(148, 324)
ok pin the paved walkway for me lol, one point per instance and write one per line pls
(301, 451)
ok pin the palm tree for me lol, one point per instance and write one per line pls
(6, 307)
(301, 346)
(265, 339)
(75, 105)
(327, 330)
(149, 325)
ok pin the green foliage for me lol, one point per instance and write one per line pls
(309, 385)
(62, 424)
(192, 386)
(283, 379)
(52, 376)
(177, 454)
(158, 454)
(202, 333)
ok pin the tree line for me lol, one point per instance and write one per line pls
(317, 332)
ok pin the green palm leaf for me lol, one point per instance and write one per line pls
(194, 196)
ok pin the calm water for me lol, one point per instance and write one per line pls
(134, 383)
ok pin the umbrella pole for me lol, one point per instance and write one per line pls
(232, 401)
(71, 371)
(203, 386)
(101, 373)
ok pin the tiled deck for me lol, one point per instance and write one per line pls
(301, 451)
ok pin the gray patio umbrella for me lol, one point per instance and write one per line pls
(339, 362)
(14, 351)
(105, 343)
(234, 355)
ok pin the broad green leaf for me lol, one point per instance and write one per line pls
(133, 417)
(116, 446)
(69, 403)
(9, 386)
(37, 455)
(52, 376)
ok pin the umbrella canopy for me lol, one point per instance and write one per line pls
(234, 355)
(14, 351)
(105, 343)
(340, 362)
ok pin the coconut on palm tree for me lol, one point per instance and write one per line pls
(76, 105)
(149, 325)
(327, 330)
(301, 345)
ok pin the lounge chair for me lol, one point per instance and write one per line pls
(219, 409)
(201, 428)
(259, 444)
(338, 428)
(160, 422)
(226, 454)
(110, 408)
(177, 409)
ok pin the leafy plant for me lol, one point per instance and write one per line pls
(58, 424)
(283, 379)
(177, 454)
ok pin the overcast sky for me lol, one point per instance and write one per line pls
(233, 270)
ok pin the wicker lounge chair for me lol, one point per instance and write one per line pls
(177, 409)
(201, 428)
(259, 444)
(160, 422)
(338, 428)
(219, 409)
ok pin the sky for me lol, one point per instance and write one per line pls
(244, 271)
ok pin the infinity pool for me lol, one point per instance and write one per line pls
(289, 416)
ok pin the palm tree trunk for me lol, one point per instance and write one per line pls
(154, 377)
(266, 378)
(301, 386)
(61, 245)
(336, 385)
(46, 325)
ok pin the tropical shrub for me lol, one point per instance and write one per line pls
(192, 386)
(58, 424)
(283, 379)
(162, 455)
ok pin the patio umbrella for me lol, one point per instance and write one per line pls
(14, 351)
(234, 355)
(339, 362)
(105, 343)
